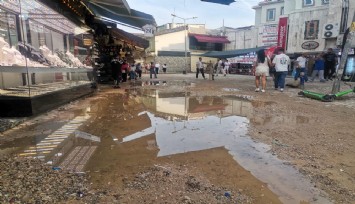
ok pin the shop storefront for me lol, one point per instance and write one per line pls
(41, 56)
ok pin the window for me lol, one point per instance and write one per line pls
(308, 2)
(311, 30)
(270, 14)
(282, 11)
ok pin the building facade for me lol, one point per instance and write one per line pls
(296, 25)
(179, 46)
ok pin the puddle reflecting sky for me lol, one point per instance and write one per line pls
(183, 122)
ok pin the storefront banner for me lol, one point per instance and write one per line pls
(282, 32)
(268, 35)
(246, 59)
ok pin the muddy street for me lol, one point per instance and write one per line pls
(182, 140)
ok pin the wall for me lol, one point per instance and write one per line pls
(242, 38)
(297, 26)
(174, 64)
(170, 42)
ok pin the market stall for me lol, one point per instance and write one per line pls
(41, 65)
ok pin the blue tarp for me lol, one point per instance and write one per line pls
(224, 2)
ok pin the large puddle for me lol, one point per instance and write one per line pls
(181, 123)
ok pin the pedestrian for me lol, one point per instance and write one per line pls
(281, 62)
(330, 61)
(139, 70)
(124, 70)
(116, 64)
(210, 70)
(164, 68)
(132, 71)
(146, 67)
(219, 66)
(226, 67)
(152, 70)
(157, 67)
(261, 69)
(200, 68)
(301, 70)
(318, 68)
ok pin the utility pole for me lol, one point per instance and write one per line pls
(185, 28)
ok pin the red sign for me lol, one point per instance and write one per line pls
(282, 32)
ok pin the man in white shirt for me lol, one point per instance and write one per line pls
(301, 70)
(281, 63)
(226, 67)
(219, 66)
(200, 68)
(157, 67)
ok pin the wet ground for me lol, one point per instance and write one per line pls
(239, 145)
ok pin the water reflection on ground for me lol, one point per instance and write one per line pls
(184, 123)
(181, 122)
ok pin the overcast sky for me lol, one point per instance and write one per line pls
(237, 14)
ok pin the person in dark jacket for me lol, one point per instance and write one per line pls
(116, 71)
(330, 61)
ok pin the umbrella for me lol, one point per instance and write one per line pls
(225, 2)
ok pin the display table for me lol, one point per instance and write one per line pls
(26, 92)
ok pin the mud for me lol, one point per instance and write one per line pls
(260, 147)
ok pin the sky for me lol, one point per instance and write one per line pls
(237, 14)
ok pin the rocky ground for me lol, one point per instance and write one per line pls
(315, 137)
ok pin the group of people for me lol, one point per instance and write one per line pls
(324, 67)
(122, 71)
(154, 69)
(222, 66)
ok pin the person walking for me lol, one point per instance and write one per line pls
(132, 71)
(164, 68)
(152, 70)
(210, 69)
(124, 70)
(157, 67)
(318, 69)
(226, 67)
(219, 66)
(330, 61)
(200, 68)
(261, 68)
(281, 62)
(139, 70)
(116, 72)
(301, 71)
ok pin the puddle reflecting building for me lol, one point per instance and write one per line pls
(184, 106)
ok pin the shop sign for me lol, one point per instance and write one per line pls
(149, 30)
(268, 34)
(310, 45)
(282, 32)
(87, 42)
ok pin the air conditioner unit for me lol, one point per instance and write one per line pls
(330, 30)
